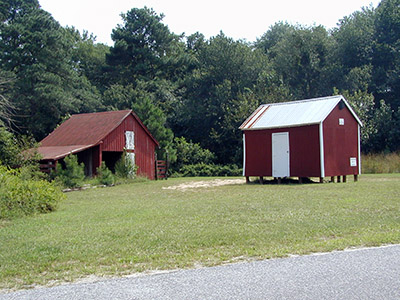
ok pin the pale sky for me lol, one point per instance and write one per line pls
(247, 19)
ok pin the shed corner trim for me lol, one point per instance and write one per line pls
(321, 149)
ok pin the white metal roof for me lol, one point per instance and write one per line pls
(294, 113)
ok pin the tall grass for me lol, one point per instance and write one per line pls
(380, 163)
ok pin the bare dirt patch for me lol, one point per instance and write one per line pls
(204, 184)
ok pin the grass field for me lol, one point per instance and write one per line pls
(141, 226)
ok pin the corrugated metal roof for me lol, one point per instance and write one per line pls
(294, 113)
(85, 129)
(56, 152)
(82, 131)
(88, 129)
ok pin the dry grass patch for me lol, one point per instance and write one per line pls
(381, 163)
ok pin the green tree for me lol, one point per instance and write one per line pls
(6, 107)
(73, 174)
(89, 57)
(386, 53)
(382, 124)
(355, 38)
(228, 83)
(141, 46)
(12, 9)
(353, 52)
(104, 175)
(35, 48)
(273, 36)
(189, 153)
(9, 149)
(302, 58)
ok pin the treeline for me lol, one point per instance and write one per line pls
(197, 88)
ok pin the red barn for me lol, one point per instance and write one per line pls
(103, 136)
(310, 138)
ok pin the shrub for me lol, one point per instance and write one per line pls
(19, 197)
(8, 147)
(73, 174)
(104, 175)
(189, 153)
(124, 167)
(202, 169)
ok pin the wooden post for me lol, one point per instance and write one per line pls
(166, 165)
(261, 180)
(247, 179)
(338, 179)
(355, 178)
(300, 180)
(279, 180)
(344, 178)
(333, 179)
(321, 180)
(155, 166)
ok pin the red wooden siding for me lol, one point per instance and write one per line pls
(144, 145)
(258, 161)
(340, 143)
(304, 151)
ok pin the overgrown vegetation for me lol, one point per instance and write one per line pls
(192, 160)
(143, 226)
(380, 163)
(73, 174)
(202, 169)
(23, 188)
(125, 167)
(104, 175)
(21, 197)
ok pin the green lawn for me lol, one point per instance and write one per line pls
(138, 227)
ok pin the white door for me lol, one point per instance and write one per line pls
(280, 154)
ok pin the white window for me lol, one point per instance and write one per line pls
(341, 121)
(129, 140)
(353, 161)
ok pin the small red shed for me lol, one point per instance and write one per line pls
(317, 137)
(103, 136)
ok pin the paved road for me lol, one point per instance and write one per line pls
(372, 273)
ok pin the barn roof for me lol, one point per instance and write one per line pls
(57, 152)
(83, 131)
(294, 113)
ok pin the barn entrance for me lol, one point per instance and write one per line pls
(86, 157)
(110, 158)
(280, 155)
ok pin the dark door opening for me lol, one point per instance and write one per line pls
(110, 158)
